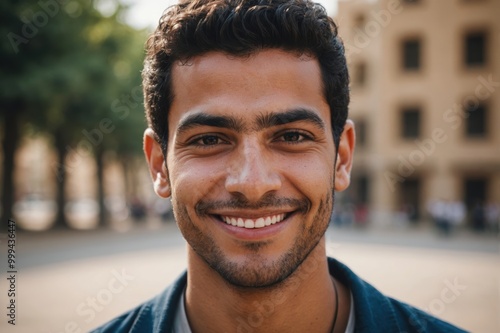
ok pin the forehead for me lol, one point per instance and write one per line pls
(268, 81)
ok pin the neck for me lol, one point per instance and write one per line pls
(304, 302)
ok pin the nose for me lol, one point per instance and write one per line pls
(252, 172)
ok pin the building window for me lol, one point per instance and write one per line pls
(410, 123)
(363, 190)
(475, 49)
(475, 190)
(360, 133)
(411, 54)
(475, 198)
(359, 78)
(476, 121)
(409, 198)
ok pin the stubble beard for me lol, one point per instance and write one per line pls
(256, 271)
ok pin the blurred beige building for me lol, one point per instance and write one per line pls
(425, 83)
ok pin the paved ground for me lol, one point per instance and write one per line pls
(74, 281)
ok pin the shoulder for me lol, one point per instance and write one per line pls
(415, 320)
(126, 322)
(155, 315)
(375, 312)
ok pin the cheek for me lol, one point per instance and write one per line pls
(311, 175)
(193, 181)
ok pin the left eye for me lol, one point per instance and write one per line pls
(209, 140)
(292, 137)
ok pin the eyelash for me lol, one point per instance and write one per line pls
(303, 136)
(196, 141)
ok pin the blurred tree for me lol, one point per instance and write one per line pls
(122, 127)
(15, 97)
(71, 72)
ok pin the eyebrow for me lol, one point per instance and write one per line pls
(289, 116)
(203, 119)
(263, 121)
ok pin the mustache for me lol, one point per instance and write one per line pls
(204, 207)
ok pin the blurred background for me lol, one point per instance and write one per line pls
(422, 212)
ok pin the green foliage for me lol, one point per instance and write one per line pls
(73, 68)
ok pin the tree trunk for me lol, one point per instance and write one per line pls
(9, 144)
(60, 145)
(126, 162)
(99, 157)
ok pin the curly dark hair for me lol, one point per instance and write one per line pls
(241, 28)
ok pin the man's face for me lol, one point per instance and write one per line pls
(250, 162)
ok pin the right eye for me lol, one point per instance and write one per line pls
(207, 140)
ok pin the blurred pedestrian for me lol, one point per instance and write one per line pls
(439, 211)
(492, 213)
(137, 209)
(361, 213)
(457, 213)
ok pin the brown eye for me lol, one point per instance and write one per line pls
(209, 140)
(291, 137)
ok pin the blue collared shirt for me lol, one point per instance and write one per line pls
(374, 312)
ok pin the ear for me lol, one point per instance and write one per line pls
(344, 157)
(156, 162)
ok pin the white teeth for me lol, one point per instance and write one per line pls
(261, 222)
(249, 224)
(268, 221)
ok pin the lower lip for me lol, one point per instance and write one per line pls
(254, 234)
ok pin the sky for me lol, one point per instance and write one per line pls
(146, 13)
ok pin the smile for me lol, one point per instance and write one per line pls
(260, 222)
